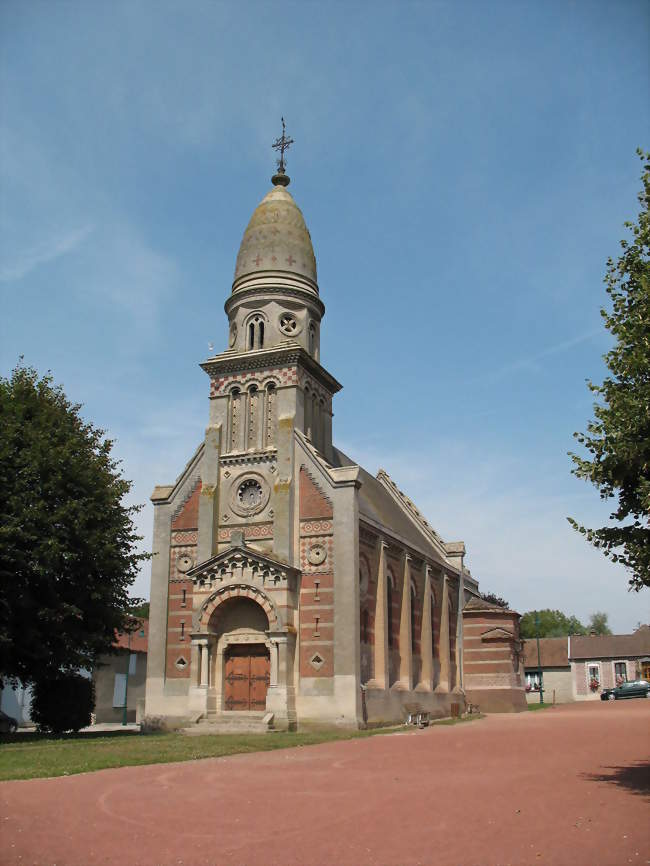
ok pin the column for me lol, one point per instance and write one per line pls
(274, 663)
(405, 640)
(195, 664)
(444, 637)
(426, 647)
(205, 665)
(380, 678)
(280, 697)
(208, 499)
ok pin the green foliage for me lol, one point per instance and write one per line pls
(552, 623)
(67, 541)
(63, 702)
(494, 599)
(619, 438)
(598, 623)
(140, 611)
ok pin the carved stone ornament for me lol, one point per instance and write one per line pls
(317, 554)
(250, 494)
(289, 324)
(232, 337)
(184, 563)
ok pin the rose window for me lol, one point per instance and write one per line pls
(250, 494)
(288, 324)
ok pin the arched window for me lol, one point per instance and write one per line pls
(270, 413)
(389, 605)
(256, 332)
(433, 625)
(414, 602)
(253, 420)
(235, 417)
(308, 413)
(364, 626)
(312, 339)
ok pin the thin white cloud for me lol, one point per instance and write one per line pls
(53, 248)
(512, 517)
(531, 363)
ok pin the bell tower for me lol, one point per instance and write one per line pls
(268, 382)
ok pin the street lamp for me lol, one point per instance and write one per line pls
(539, 663)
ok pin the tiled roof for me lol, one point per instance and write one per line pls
(602, 646)
(139, 638)
(553, 652)
(481, 604)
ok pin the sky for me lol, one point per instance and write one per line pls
(465, 170)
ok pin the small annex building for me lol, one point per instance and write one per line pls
(287, 580)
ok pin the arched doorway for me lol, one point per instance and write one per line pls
(242, 667)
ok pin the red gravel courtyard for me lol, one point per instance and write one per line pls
(567, 785)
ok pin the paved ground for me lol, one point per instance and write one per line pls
(562, 786)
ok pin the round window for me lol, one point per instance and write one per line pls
(289, 324)
(249, 493)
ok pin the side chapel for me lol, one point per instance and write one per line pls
(288, 583)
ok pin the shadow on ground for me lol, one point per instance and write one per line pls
(36, 736)
(635, 778)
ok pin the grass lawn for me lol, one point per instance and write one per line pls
(37, 756)
(543, 706)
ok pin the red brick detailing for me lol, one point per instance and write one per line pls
(188, 518)
(308, 651)
(313, 502)
(256, 530)
(279, 375)
(317, 585)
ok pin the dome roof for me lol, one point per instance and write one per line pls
(276, 239)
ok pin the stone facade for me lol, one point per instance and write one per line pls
(285, 577)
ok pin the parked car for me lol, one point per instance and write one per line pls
(633, 689)
(8, 725)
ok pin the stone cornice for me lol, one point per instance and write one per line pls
(305, 294)
(292, 354)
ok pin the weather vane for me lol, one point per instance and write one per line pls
(282, 144)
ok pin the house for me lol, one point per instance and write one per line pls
(555, 677)
(122, 674)
(578, 667)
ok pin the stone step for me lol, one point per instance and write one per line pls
(232, 723)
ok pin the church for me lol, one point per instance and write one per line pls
(289, 586)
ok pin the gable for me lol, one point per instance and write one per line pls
(313, 502)
(187, 517)
(497, 634)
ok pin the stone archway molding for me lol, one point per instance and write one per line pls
(235, 590)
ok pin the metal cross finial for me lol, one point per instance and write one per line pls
(282, 144)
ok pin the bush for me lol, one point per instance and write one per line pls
(63, 702)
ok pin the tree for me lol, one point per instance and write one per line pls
(619, 438)
(67, 541)
(140, 611)
(493, 598)
(598, 623)
(63, 702)
(552, 623)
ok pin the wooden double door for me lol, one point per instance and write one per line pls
(247, 676)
